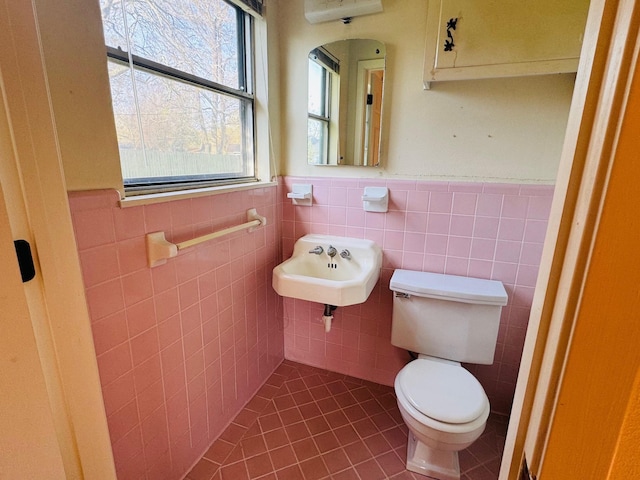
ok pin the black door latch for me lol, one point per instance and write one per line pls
(25, 260)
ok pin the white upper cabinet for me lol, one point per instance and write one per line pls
(468, 39)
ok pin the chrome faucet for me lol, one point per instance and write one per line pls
(331, 251)
(346, 254)
(318, 250)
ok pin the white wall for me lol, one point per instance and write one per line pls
(502, 130)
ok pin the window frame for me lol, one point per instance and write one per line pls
(245, 94)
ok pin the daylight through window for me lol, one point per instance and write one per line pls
(180, 74)
(322, 68)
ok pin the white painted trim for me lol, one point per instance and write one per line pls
(61, 322)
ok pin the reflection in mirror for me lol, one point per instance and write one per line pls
(346, 92)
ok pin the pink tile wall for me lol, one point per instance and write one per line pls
(181, 347)
(482, 230)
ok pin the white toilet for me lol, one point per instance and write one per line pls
(445, 319)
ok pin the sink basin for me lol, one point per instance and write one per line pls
(334, 281)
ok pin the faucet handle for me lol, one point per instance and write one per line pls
(346, 254)
(318, 250)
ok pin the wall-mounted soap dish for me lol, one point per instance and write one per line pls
(301, 194)
(375, 199)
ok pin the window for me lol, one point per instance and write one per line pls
(181, 86)
(318, 122)
(322, 68)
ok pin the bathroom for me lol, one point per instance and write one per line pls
(470, 167)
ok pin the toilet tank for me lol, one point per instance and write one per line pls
(446, 316)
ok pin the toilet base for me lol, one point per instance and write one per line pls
(438, 464)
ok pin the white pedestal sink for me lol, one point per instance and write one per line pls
(346, 278)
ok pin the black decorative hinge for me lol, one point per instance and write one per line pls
(448, 43)
(25, 260)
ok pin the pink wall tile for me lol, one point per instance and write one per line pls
(414, 242)
(140, 317)
(457, 266)
(436, 244)
(508, 251)
(459, 247)
(99, 264)
(539, 206)
(118, 393)
(483, 230)
(515, 206)
(132, 255)
(147, 373)
(398, 199)
(137, 287)
(464, 203)
(156, 330)
(114, 363)
(105, 299)
(438, 223)
(395, 220)
(393, 240)
(511, 229)
(535, 231)
(489, 205)
(128, 222)
(483, 248)
(440, 202)
(123, 421)
(416, 222)
(418, 201)
(110, 332)
(486, 227)
(157, 217)
(461, 225)
(531, 253)
(93, 227)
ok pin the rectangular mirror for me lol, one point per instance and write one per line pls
(345, 103)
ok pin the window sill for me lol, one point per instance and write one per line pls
(148, 199)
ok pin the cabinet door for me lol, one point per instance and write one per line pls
(480, 39)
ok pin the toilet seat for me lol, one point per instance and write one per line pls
(442, 391)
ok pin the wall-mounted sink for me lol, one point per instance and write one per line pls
(312, 274)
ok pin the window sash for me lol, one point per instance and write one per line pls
(254, 6)
(243, 94)
(188, 78)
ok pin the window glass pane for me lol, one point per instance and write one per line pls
(317, 89)
(199, 37)
(124, 106)
(113, 24)
(317, 138)
(186, 130)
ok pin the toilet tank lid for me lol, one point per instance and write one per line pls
(449, 287)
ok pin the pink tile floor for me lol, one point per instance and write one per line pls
(311, 424)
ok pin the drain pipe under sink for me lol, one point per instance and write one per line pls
(327, 317)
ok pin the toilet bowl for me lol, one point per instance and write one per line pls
(445, 409)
